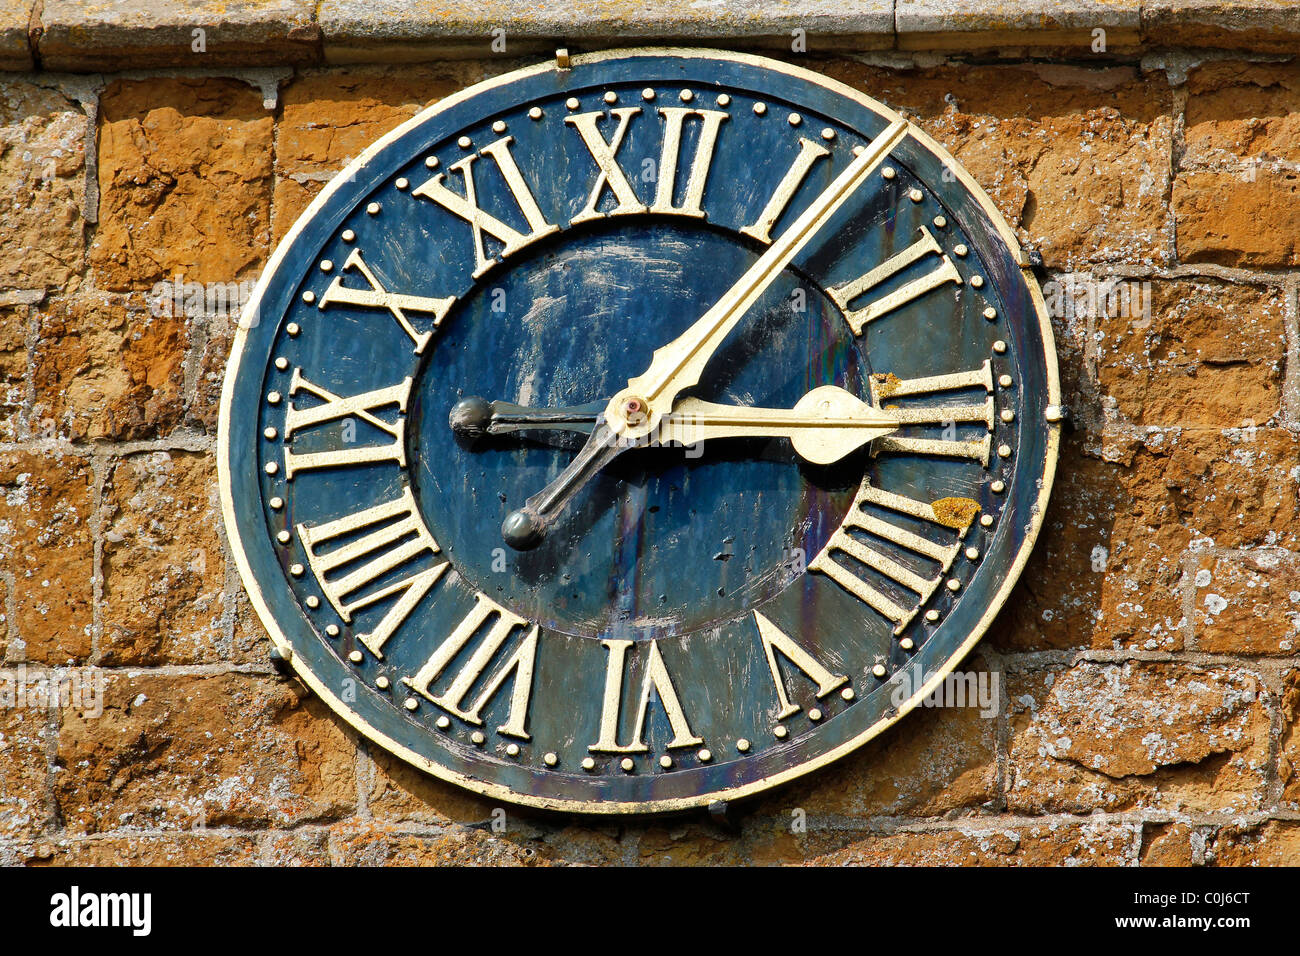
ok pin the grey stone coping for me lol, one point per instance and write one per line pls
(109, 35)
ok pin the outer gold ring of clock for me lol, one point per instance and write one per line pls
(496, 791)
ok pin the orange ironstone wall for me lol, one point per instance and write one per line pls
(1149, 671)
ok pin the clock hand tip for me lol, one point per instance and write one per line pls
(470, 417)
(522, 530)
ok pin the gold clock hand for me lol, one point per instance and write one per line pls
(638, 408)
(826, 425)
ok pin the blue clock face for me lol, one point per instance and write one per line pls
(624, 437)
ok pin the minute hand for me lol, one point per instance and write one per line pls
(679, 364)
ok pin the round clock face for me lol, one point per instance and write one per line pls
(639, 434)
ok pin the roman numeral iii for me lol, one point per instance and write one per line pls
(885, 388)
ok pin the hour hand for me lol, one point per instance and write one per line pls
(475, 417)
(825, 425)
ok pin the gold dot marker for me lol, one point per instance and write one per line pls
(293, 328)
(960, 249)
(779, 732)
(373, 208)
(906, 644)
(402, 182)
(313, 601)
(477, 738)
(382, 682)
(271, 468)
(915, 195)
(814, 714)
(350, 236)
(276, 503)
(411, 703)
(879, 670)
(296, 570)
(270, 434)
(588, 763)
(1004, 381)
(550, 759)
(828, 134)
(932, 615)
(1000, 347)
(847, 693)
(627, 764)
(512, 750)
(972, 554)
(986, 521)
(888, 172)
(977, 282)
(464, 142)
(572, 103)
(309, 297)
(356, 657)
(794, 119)
(647, 94)
(611, 96)
(990, 313)
(1008, 415)
(998, 487)
(742, 745)
(281, 363)
(666, 762)
(705, 755)
(954, 584)
(273, 398)
(333, 631)
(940, 222)
(443, 722)
(498, 127)
(283, 537)
(687, 96)
(430, 162)
(1004, 451)
(535, 113)
(760, 109)
(723, 100)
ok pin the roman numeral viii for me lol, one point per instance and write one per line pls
(376, 542)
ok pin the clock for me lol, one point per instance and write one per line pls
(638, 431)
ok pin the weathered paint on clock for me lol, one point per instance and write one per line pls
(700, 621)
